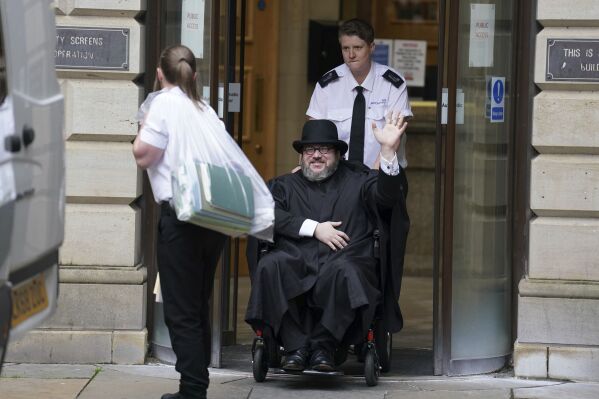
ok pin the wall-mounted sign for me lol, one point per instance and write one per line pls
(575, 60)
(482, 35)
(92, 48)
(497, 99)
(234, 97)
(444, 105)
(459, 107)
(192, 26)
(383, 49)
(459, 100)
(409, 58)
(221, 98)
(488, 90)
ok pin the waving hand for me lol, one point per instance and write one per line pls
(389, 137)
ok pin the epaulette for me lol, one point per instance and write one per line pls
(328, 78)
(394, 78)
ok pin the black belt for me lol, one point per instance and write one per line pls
(166, 208)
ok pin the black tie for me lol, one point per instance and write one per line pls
(356, 139)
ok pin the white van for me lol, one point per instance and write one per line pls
(31, 167)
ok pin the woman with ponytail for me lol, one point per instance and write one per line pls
(187, 254)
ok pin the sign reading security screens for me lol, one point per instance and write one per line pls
(574, 60)
(497, 99)
(92, 48)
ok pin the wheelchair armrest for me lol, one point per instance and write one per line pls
(264, 247)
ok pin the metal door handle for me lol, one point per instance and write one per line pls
(28, 135)
(12, 143)
(258, 148)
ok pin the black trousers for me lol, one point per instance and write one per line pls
(187, 259)
(300, 328)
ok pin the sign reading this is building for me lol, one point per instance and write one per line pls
(574, 60)
(92, 48)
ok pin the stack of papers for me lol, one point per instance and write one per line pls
(215, 197)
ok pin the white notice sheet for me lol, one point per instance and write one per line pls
(192, 26)
(409, 59)
(482, 33)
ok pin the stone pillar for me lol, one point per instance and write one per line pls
(101, 316)
(558, 318)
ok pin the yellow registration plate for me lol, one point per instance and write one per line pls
(29, 299)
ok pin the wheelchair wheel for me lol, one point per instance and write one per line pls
(259, 362)
(371, 367)
(384, 348)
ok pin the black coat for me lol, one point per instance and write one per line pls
(364, 200)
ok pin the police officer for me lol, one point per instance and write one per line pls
(360, 92)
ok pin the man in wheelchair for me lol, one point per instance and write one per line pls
(319, 286)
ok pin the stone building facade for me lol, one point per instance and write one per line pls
(558, 304)
(102, 310)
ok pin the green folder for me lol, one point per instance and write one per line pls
(215, 197)
(226, 192)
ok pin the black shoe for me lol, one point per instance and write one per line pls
(322, 360)
(296, 360)
(177, 395)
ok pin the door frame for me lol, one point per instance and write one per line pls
(439, 191)
(444, 185)
(520, 153)
(222, 56)
(522, 150)
(149, 209)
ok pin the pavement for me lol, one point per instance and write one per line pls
(410, 379)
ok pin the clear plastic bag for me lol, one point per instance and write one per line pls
(214, 184)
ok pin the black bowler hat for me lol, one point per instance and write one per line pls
(320, 131)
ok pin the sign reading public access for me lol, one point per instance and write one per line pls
(92, 48)
(574, 60)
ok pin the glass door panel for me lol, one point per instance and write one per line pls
(193, 24)
(188, 22)
(480, 254)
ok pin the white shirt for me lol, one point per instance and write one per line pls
(165, 109)
(336, 102)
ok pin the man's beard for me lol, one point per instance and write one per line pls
(319, 176)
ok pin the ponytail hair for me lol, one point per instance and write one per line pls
(178, 65)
